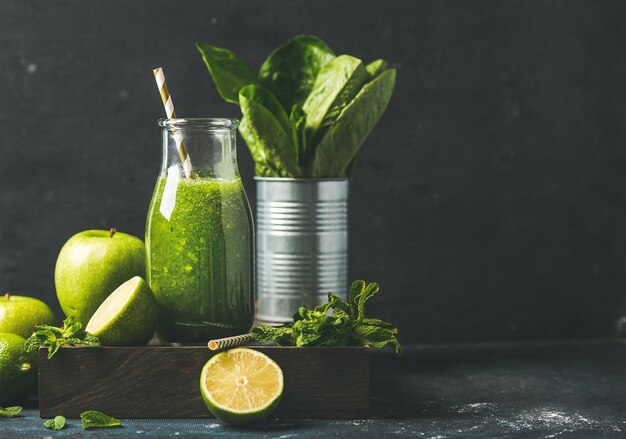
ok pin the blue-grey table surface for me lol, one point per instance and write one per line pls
(549, 390)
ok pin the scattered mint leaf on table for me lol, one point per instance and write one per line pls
(96, 419)
(10, 412)
(58, 423)
(71, 333)
(345, 326)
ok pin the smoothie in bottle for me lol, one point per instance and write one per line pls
(199, 236)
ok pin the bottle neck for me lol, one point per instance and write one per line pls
(200, 148)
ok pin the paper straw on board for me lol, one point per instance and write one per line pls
(230, 342)
(171, 114)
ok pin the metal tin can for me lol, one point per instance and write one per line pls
(302, 244)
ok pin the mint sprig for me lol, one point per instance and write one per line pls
(10, 412)
(96, 419)
(71, 333)
(58, 423)
(345, 326)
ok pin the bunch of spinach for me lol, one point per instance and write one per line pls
(345, 326)
(307, 112)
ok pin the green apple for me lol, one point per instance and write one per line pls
(91, 265)
(20, 314)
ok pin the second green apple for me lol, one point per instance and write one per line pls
(91, 265)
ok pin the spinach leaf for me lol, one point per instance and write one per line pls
(262, 166)
(267, 131)
(340, 145)
(307, 112)
(228, 71)
(297, 118)
(337, 83)
(290, 70)
(375, 68)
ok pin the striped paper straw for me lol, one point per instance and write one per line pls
(171, 114)
(230, 342)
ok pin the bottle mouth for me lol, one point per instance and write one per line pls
(198, 123)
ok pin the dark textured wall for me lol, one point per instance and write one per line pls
(489, 202)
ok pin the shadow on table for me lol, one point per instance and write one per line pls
(460, 381)
(394, 387)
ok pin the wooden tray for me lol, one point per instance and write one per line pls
(163, 381)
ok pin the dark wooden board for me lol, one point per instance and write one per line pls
(163, 381)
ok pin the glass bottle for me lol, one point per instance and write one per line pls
(199, 234)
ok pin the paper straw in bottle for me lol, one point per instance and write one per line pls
(171, 114)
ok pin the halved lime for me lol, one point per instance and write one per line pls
(127, 317)
(241, 386)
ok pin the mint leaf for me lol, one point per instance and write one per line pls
(340, 307)
(309, 332)
(321, 310)
(379, 323)
(58, 423)
(228, 71)
(53, 348)
(356, 289)
(10, 412)
(71, 327)
(37, 339)
(71, 333)
(96, 419)
(345, 326)
(367, 294)
(376, 337)
(279, 334)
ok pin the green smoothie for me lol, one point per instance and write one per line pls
(199, 245)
